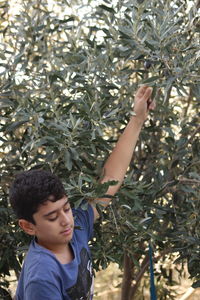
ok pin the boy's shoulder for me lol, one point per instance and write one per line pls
(83, 213)
(37, 257)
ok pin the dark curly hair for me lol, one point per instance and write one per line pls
(32, 188)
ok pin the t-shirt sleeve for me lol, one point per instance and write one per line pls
(85, 219)
(42, 290)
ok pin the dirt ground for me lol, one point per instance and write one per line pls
(107, 286)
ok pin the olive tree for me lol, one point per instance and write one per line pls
(68, 76)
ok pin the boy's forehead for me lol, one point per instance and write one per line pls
(51, 198)
(51, 204)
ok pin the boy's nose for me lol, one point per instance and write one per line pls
(65, 219)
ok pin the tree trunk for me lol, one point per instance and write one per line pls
(127, 277)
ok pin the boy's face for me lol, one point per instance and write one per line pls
(54, 224)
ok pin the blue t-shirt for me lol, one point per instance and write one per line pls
(43, 277)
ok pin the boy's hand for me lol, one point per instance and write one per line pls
(143, 103)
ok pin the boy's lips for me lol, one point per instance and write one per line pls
(67, 231)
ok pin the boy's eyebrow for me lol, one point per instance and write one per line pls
(54, 211)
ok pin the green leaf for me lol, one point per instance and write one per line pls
(150, 45)
(169, 131)
(130, 225)
(151, 79)
(16, 125)
(107, 8)
(2, 56)
(68, 160)
(196, 284)
(6, 103)
(126, 206)
(71, 58)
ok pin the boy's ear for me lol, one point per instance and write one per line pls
(27, 226)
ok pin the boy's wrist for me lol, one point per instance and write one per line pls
(137, 120)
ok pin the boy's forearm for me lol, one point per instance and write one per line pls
(118, 162)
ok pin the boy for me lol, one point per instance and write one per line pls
(58, 264)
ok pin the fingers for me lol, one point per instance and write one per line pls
(144, 92)
(147, 94)
(140, 92)
(143, 100)
(153, 105)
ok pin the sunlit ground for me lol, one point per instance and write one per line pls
(107, 283)
(107, 286)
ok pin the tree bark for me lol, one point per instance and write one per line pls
(127, 277)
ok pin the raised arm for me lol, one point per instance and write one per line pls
(117, 163)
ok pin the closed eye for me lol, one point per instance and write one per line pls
(53, 219)
(67, 209)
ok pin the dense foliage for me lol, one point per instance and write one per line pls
(68, 76)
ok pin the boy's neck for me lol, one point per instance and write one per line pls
(64, 253)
